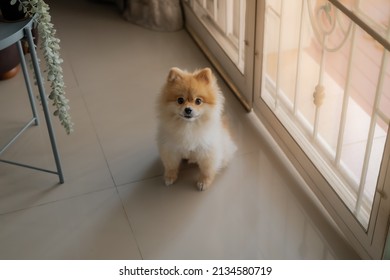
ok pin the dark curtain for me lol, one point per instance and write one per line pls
(160, 15)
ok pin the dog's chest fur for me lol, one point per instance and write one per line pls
(189, 138)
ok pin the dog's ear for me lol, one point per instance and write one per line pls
(175, 74)
(204, 75)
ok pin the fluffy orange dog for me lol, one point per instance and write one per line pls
(191, 125)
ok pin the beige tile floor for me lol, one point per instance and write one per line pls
(113, 204)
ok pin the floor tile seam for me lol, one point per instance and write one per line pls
(55, 201)
(97, 136)
(254, 150)
(91, 85)
(121, 185)
(130, 224)
(71, 66)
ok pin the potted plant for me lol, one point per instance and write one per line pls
(49, 44)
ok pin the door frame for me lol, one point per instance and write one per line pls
(240, 84)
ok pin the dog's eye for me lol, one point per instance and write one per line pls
(198, 101)
(180, 100)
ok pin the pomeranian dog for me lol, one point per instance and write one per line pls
(192, 126)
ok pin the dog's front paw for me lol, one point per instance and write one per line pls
(170, 177)
(169, 181)
(203, 184)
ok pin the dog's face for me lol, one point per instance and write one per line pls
(190, 96)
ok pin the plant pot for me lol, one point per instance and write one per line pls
(10, 12)
(9, 57)
(9, 62)
(10, 74)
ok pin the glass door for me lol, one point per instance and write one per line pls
(322, 84)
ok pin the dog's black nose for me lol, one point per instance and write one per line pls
(188, 110)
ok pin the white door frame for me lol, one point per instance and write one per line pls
(241, 84)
